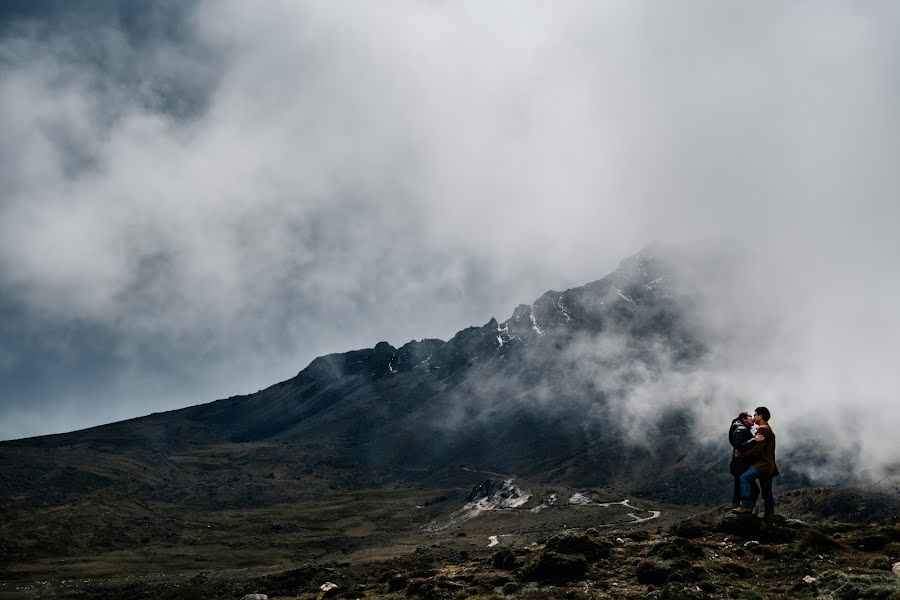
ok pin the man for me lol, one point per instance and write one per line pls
(742, 440)
(762, 467)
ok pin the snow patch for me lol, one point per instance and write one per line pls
(563, 310)
(534, 324)
(652, 284)
(493, 541)
(545, 503)
(621, 295)
(508, 497)
(579, 499)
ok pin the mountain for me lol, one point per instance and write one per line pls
(398, 470)
(543, 394)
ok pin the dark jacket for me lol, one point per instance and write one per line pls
(741, 439)
(762, 456)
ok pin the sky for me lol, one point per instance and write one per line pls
(198, 198)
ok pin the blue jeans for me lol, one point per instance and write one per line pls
(750, 491)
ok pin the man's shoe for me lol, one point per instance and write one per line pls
(742, 511)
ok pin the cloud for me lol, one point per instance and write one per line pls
(215, 207)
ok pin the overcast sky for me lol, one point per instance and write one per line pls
(197, 198)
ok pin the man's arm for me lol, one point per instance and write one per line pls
(743, 440)
(757, 448)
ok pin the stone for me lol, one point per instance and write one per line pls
(895, 569)
(687, 529)
(511, 587)
(255, 597)
(557, 568)
(810, 580)
(505, 559)
(397, 582)
(591, 547)
(745, 525)
(329, 589)
(655, 572)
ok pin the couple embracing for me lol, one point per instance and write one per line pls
(753, 461)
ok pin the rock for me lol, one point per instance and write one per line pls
(676, 548)
(796, 524)
(397, 583)
(736, 569)
(810, 580)
(687, 529)
(557, 568)
(255, 597)
(511, 587)
(655, 572)
(450, 584)
(591, 547)
(744, 525)
(505, 559)
(818, 541)
(429, 589)
(329, 589)
(895, 569)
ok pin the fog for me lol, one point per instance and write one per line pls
(199, 210)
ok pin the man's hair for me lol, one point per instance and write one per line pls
(763, 412)
(743, 416)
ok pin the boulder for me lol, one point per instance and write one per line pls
(676, 548)
(589, 546)
(655, 572)
(688, 529)
(397, 582)
(505, 559)
(744, 525)
(552, 567)
(818, 541)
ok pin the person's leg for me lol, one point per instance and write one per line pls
(736, 496)
(748, 486)
(765, 483)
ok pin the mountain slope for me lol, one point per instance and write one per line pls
(536, 395)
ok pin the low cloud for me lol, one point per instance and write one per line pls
(188, 216)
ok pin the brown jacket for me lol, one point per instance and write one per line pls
(762, 456)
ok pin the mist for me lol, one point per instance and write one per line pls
(192, 215)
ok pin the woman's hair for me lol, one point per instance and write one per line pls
(743, 416)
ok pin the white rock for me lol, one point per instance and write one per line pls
(255, 597)
(810, 580)
(327, 586)
(896, 569)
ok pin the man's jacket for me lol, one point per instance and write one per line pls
(762, 456)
